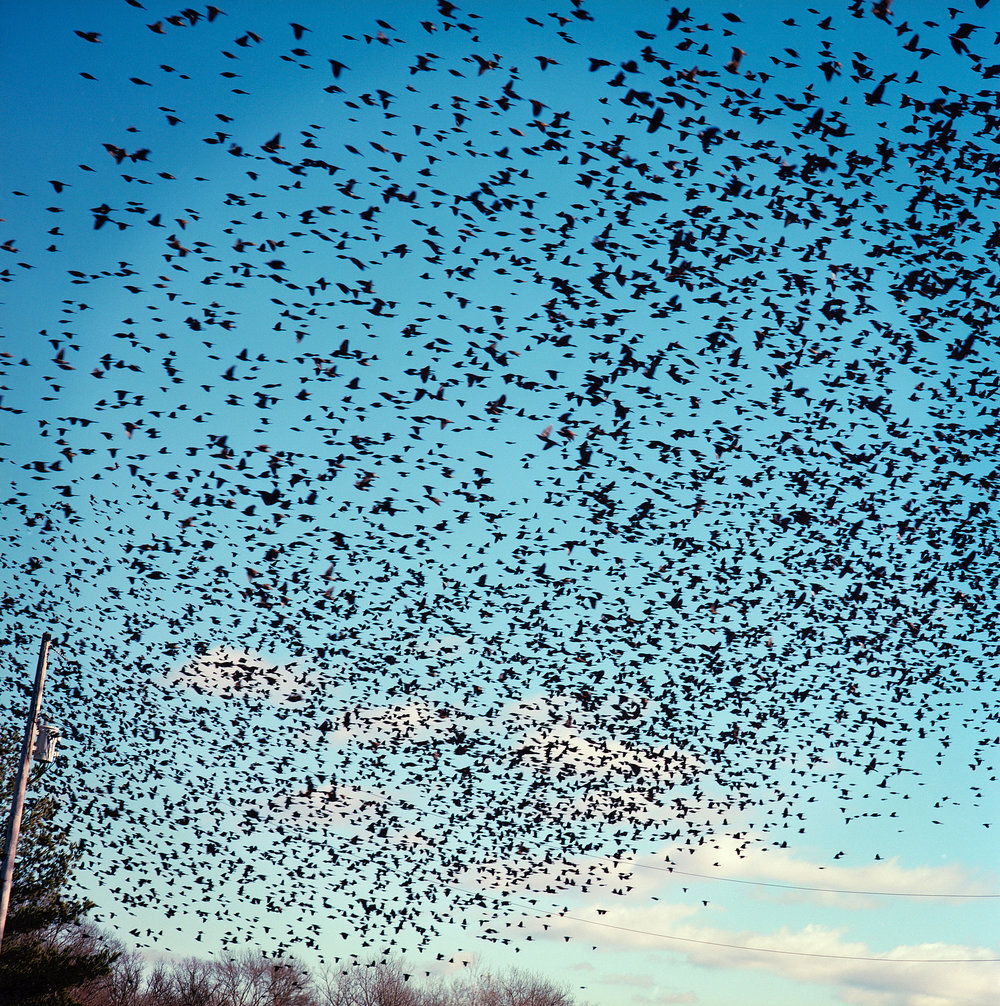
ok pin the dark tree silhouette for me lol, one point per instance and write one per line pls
(48, 950)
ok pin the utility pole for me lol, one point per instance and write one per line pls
(17, 804)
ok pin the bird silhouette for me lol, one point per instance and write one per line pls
(536, 456)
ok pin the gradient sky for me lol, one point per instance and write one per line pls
(477, 526)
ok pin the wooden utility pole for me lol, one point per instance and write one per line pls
(17, 804)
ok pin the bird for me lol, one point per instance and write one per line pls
(498, 477)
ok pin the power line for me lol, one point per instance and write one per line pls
(529, 907)
(754, 883)
(736, 946)
(794, 953)
(757, 883)
(792, 887)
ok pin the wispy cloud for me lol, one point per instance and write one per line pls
(394, 723)
(231, 673)
(860, 885)
(857, 972)
(766, 871)
(664, 998)
(348, 809)
(330, 805)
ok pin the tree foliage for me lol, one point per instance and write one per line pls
(48, 950)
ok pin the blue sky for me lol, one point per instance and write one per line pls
(595, 411)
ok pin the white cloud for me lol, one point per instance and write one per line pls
(868, 982)
(394, 723)
(664, 998)
(767, 865)
(331, 805)
(598, 777)
(565, 746)
(630, 979)
(654, 992)
(619, 915)
(829, 956)
(353, 808)
(876, 982)
(229, 673)
(441, 648)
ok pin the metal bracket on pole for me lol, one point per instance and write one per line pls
(21, 785)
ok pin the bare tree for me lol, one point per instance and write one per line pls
(379, 983)
(252, 979)
(508, 988)
(291, 985)
(158, 989)
(122, 986)
(191, 982)
(126, 981)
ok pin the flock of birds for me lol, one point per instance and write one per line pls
(449, 465)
